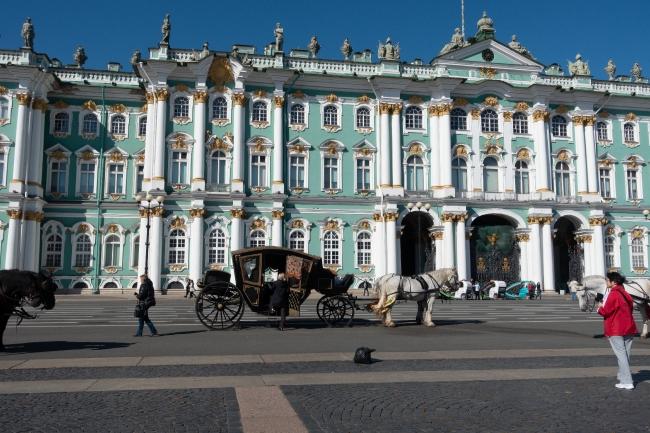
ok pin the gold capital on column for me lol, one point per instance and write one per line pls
(438, 236)
(237, 213)
(433, 111)
(40, 104)
(143, 212)
(239, 99)
(586, 239)
(578, 120)
(34, 216)
(278, 101)
(157, 212)
(448, 217)
(475, 114)
(197, 213)
(24, 99)
(200, 97)
(14, 214)
(149, 97)
(539, 115)
(523, 238)
(162, 94)
(378, 218)
(391, 216)
(397, 109)
(507, 116)
(384, 108)
(277, 214)
(533, 220)
(589, 120)
(445, 109)
(596, 221)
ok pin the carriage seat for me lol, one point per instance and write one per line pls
(346, 281)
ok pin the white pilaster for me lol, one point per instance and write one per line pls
(434, 140)
(547, 254)
(34, 172)
(156, 250)
(507, 146)
(239, 100)
(237, 235)
(278, 145)
(150, 140)
(592, 165)
(540, 118)
(536, 250)
(447, 188)
(523, 257)
(13, 239)
(587, 246)
(579, 131)
(197, 243)
(276, 229)
(20, 148)
(384, 168)
(440, 257)
(448, 242)
(598, 246)
(158, 180)
(29, 240)
(396, 152)
(461, 256)
(391, 243)
(143, 247)
(198, 157)
(379, 246)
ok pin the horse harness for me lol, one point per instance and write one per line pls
(19, 309)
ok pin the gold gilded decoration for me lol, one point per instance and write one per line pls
(144, 108)
(480, 265)
(331, 225)
(492, 150)
(200, 96)
(604, 114)
(397, 109)
(237, 213)
(630, 116)
(87, 155)
(197, 213)
(610, 230)
(364, 269)
(589, 120)
(257, 224)
(112, 228)
(34, 216)
(444, 109)
(179, 143)
(415, 99)
(220, 72)
(115, 196)
(14, 214)
(486, 71)
(391, 216)
(140, 158)
(180, 87)
(58, 155)
(298, 94)
(239, 99)
(162, 94)
(468, 236)
(3, 90)
(118, 108)
(505, 266)
(297, 224)
(298, 148)
(434, 111)
(493, 238)
(116, 157)
(521, 106)
(363, 99)
(384, 108)
(177, 223)
(363, 152)
(25, 99)
(540, 115)
(277, 214)
(563, 156)
(259, 93)
(476, 114)
(533, 220)
(598, 221)
(259, 146)
(111, 269)
(219, 144)
(331, 98)
(605, 163)
(83, 228)
(278, 101)
(438, 236)
(89, 106)
(507, 116)
(149, 97)
(523, 154)
(637, 234)
(460, 151)
(633, 162)
(40, 104)
(578, 120)
(460, 102)
(377, 217)
(176, 268)
(415, 150)
(331, 149)
(561, 109)
(523, 238)
(217, 267)
(59, 105)
(364, 225)
(454, 218)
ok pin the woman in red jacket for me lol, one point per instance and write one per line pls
(616, 308)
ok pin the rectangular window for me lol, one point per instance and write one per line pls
(638, 256)
(258, 171)
(632, 185)
(179, 168)
(363, 174)
(605, 183)
(331, 172)
(2, 167)
(115, 178)
(139, 178)
(58, 177)
(87, 181)
(297, 172)
(136, 252)
(218, 171)
(142, 127)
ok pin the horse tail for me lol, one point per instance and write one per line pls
(382, 282)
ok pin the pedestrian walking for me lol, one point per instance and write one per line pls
(280, 298)
(192, 290)
(616, 308)
(573, 286)
(477, 290)
(365, 285)
(188, 288)
(538, 295)
(146, 298)
(531, 290)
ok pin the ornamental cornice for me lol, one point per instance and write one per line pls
(162, 94)
(197, 213)
(200, 97)
(598, 221)
(277, 214)
(239, 99)
(278, 101)
(237, 213)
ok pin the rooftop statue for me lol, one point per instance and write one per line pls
(516, 46)
(206, 51)
(485, 24)
(28, 34)
(279, 37)
(166, 30)
(610, 69)
(80, 57)
(346, 49)
(314, 46)
(388, 51)
(579, 67)
(457, 41)
(136, 57)
(636, 71)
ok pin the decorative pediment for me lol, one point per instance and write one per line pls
(86, 153)
(331, 147)
(364, 148)
(116, 155)
(502, 55)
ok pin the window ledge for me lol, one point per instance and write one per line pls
(635, 201)
(298, 126)
(60, 134)
(111, 269)
(332, 128)
(118, 137)
(604, 143)
(364, 131)
(640, 271)
(365, 268)
(181, 120)
(177, 268)
(631, 144)
(332, 191)
(88, 135)
(260, 125)
(220, 122)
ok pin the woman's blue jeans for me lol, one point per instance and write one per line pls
(142, 321)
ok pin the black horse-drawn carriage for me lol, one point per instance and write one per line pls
(220, 304)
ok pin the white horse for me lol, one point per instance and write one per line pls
(393, 287)
(638, 289)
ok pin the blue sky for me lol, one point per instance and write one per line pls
(552, 30)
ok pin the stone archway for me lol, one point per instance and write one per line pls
(417, 249)
(568, 253)
(494, 250)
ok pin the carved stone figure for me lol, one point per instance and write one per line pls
(388, 51)
(136, 57)
(485, 24)
(246, 61)
(610, 69)
(279, 37)
(579, 67)
(314, 46)
(516, 46)
(28, 33)
(234, 52)
(80, 57)
(346, 49)
(636, 71)
(206, 51)
(166, 30)
(457, 41)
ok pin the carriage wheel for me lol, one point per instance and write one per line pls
(220, 306)
(335, 310)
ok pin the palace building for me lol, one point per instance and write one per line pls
(482, 159)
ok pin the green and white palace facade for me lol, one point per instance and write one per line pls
(483, 159)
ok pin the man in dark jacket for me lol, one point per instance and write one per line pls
(189, 288)
(280, 298)
(365, 285)
(146, 298)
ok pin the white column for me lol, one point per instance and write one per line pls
(198, 151)
(598, 246)
(578, 123)
(278, 146)
(468, 271)
(384, 166)
(592, 165)
(588, 254)
(536, 250)
(196, 244)
(547, 256)
(36, 249)
(507, 145)
(440, 257)
(158, 180)
(461, 256)
(34, 172)
(396, 144)
(445, 151)
(29, 233)
(448, 224)
(237, 234)
(156, 250)
(391, 243)
(398, 249)
(149, 149)
(541, 150)
(379, 246)
(13, 239)
(276, 229)
(523, 257)
(143, 247)
(20, 147)
(434, 140)
(239, 100)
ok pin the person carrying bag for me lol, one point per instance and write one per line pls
(146, 299)
(280, 298)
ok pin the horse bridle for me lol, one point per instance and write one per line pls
(19, 310)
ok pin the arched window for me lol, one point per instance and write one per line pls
(330, 116)
(413, 118)
(330, 248)
(90, 124)
(142, 126)
(112, 251)
(520, 123)
(258, 238)
(297, 241)
(489, 121)
(601, 127)
(490, 175)
(414, 173)
(610, 258)
(558, 126)
(632, 186)
(135, 253)
(4, 108)
(605, 182)
(118, 125)
(459, 174)
(182, 107)
(110, 285)
(363, 118)
(296, 172)
(628, 132)
(61, 122)
(364, 249)
(219, 108)
(522, 183)
(458, 118)
(217, 247)
(83, 252)
(80, 285)
(53, 251)
(562, 173)
(638, 254)
(259, 112)
(218, 168)
(297, 114)
(177, 247)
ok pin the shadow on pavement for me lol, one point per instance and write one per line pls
(59, 346)
(166, 334)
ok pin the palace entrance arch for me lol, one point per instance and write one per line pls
(568, 253)
(494, 250)
(417, 249)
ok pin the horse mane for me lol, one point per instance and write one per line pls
(592, 278)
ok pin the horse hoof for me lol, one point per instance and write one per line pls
(390, 325)
(644, 336)
(431, 325)
(418, 322)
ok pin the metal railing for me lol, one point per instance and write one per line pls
(217, 187)
(418, 193)
(568, 199)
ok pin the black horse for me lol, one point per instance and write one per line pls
(19, 288)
